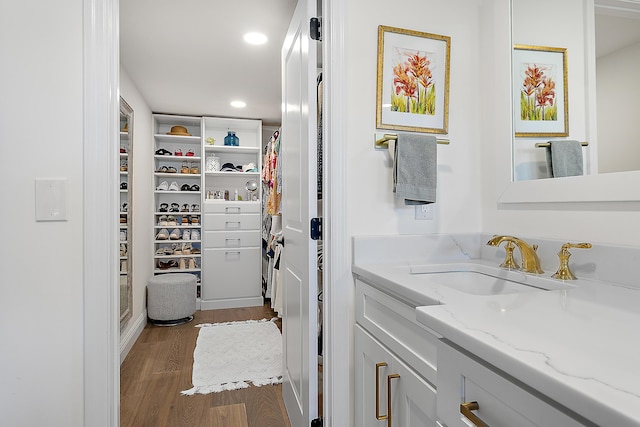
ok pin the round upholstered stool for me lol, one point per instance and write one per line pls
(171, 298)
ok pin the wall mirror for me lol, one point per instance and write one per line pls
(125, 216)
(596, 114)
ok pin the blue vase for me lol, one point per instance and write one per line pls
(231, 139)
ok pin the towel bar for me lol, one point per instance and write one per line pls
(382, 140)
(546, 144)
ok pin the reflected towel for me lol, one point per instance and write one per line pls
(564, 158)
(414, 169)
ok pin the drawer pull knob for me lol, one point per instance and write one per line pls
(232, 224)
(232, 210)
(378, 416)
(466, 408)
(389, 399)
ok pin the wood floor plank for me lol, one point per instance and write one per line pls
(229, 416)
(159, 367)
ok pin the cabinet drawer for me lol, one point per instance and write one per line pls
(501, 402)
(232, 207)
(232, 239)
(213, 222)
(231, 273)
(413, 400)
(394, 324)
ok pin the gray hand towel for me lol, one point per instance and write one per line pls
(414, 169)
(564, 158)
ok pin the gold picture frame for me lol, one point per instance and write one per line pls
(540, 91)
(412, 80)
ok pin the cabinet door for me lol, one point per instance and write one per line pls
(231, 273)
(413, 400)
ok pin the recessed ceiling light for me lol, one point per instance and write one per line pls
(255, 38)
(238, 104)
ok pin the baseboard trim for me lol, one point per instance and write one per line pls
(127, 341)
(231, 303)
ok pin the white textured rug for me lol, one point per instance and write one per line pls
(229, 356)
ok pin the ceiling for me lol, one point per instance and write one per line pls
(189, 57)
(617, 25)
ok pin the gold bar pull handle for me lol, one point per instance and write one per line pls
(378, 416)
(466, 408)
(389, 400)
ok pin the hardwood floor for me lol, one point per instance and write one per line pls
(159, 366)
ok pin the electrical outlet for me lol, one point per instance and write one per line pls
(424, 211)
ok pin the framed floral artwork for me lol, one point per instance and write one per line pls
(413, 80)
(540, 92)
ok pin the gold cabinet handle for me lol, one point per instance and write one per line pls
(466, 408)
(378, 416)
(389, 378)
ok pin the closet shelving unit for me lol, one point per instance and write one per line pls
(187, 215)
(232, 245)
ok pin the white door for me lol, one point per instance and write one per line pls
(299, 205)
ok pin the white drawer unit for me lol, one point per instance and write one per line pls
(231, 222)
(232, 239)
(222, 207)
(231, 274)
(473, 393)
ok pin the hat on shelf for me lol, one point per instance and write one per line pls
(251, 167)
(179, 130)
(228, 167)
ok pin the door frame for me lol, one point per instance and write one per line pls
(100, 120)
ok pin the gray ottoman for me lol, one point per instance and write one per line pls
(171, 298)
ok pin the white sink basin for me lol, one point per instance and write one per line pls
(479, 279)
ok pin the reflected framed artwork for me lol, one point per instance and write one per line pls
(540, 92)
(413, 80)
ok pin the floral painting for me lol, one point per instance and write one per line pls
(413, 80)
(540, 91)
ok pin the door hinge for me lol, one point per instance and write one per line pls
(316, 228)
(315, 27)
(316, 423)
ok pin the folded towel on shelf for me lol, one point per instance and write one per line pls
(414, 168)
(564, 158)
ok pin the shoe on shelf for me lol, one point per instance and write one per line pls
(178, 152)
(195, 250)
(195, 187)
(123, 249)
(164, 186)
(162, 221)
(195, 235)
(124, 207)
(192, 263)
(124, 166)
(163, 251)
(181, 264)
(185, 167)
(185, 220)
(185, 208)
(185, 187)
(162, 169)
(167, 264)
(123, 149)
(171, 169)
(190, 153)
(162, 234)
(171, 221)
(195, 208)
(186, 248)
(177, 249)
(123, 185)
(194, 220)
(163, 207)
(174, 207)
(163, 152)
(175, 234)
(194, 168)
(186, 235)
(173, 186)
(123, 235)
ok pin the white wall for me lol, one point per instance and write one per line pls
(41, 289)
(372, 207)
(533, 25)
(618, 96)
(142, 209)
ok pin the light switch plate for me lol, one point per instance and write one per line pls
(51, 199)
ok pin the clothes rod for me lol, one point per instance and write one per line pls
(546, 144)
(382, 140)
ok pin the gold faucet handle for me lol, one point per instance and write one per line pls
(509, 261)
(564, 272)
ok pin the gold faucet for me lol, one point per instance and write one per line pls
(564, 273)
(530, 260)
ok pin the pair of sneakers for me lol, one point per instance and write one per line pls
(164, 234)
(165, 186)
(190, 235)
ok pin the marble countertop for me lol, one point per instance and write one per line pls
(578, 344)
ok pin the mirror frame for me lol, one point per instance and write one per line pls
(609, 187)
(127, 111)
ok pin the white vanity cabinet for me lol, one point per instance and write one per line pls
(395, 363)
(501, 400)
